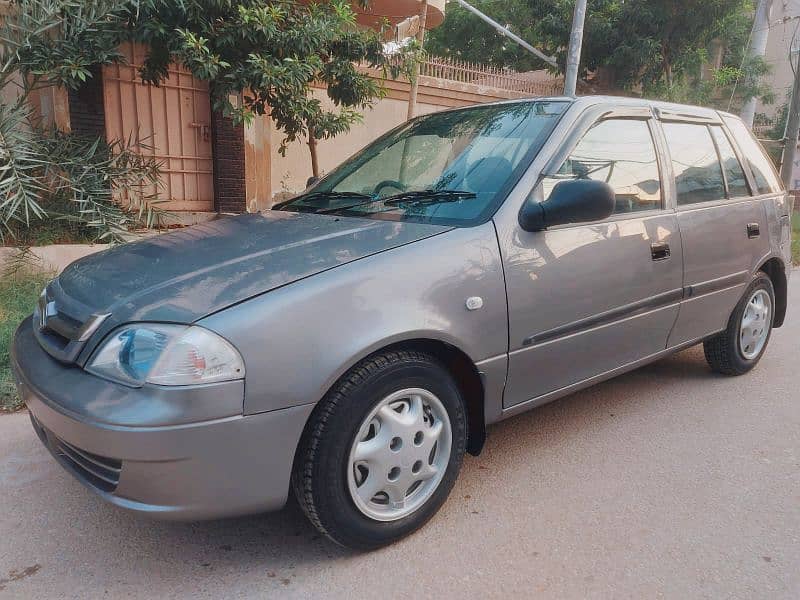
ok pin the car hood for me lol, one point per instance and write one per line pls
(188, 274)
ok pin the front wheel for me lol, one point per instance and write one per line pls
(739, 348)
(382, 451)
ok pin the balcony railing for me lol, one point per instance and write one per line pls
(762, 125)
(452, 69)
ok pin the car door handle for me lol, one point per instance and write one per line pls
(753, 230)
(659, 251)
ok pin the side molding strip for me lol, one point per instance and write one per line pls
(715, 285)
(639, 307)
(628, 310)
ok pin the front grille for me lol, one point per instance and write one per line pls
(98, 471)
(62, 325)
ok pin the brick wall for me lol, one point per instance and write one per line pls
(86, 108)
(227, 146)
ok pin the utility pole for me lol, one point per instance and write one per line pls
(504, 31)
(757, 47)
(792, 132)
(575, 44)
(412, 96)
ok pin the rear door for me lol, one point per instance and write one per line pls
(767, 186)
(587, 298)
(723, 230)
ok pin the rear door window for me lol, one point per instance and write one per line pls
(764, 174)
(695, 163)
(734, 174)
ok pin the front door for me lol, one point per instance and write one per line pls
(586, 299)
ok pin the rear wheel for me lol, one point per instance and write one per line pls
(382, 450)
(739, 348)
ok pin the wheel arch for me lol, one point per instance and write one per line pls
(460, 366)
(466, 376)
(776, 271)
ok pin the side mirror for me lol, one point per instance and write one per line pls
(571, 201)
(311, 181)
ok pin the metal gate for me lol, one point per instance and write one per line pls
(170, 122)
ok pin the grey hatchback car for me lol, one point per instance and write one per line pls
(353, 343)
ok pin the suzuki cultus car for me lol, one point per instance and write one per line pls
(352, 344)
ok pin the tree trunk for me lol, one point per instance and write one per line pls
(666, 48)
(412, 96)
(667, 70)
(312, 147)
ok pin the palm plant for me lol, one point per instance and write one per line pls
(45, 173)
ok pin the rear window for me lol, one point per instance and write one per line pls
(766, 178)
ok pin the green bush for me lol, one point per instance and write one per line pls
(18, 294)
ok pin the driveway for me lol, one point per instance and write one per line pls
(666, 482)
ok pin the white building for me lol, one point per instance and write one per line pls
(782, 46)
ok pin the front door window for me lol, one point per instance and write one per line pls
(621, 153)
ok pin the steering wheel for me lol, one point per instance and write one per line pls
(388, 183)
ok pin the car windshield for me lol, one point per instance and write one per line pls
(452, 167)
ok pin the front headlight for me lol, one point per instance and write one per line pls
(166, 355)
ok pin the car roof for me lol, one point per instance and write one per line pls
(663, 109)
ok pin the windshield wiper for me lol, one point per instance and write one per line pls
(415, 198)
(420, 197)
(336, 195)
(334, 209)
(298, 202)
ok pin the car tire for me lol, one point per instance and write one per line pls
(739, 348)
(352, 438)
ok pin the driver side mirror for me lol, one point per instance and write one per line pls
(571, 201)
(311, 181)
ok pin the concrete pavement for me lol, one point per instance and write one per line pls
(666, 482)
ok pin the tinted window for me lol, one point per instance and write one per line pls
(761, 166)
(734, 174)
(698, 175)
(621, 153)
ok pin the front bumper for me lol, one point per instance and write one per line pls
(223, 466)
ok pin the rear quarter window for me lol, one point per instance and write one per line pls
(764, 174)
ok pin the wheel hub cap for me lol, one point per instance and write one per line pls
(755, 325)
(399, 454)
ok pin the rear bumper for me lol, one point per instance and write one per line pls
(225, 466)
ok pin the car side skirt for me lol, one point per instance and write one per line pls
(565, 391)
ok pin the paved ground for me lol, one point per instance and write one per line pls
(667, 482)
